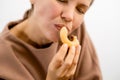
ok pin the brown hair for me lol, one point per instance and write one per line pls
(29, 11)
(91, 2)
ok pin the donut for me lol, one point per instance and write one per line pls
(64, 38)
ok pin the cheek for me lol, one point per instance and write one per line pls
(77, 22)
(50, 10)
(54, 11)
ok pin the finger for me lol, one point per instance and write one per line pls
(59, 57)
(77, 54)
(62, 70)
(72, 70)
(70, 56)
(62, 51)
(68, 61)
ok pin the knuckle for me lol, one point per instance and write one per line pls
(59, 60)
(59, 76)
(58, 63)
(74, 63)
(72, 53)
(67, 64)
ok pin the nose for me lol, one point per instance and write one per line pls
(67, 15)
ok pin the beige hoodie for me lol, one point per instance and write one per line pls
(21, 61)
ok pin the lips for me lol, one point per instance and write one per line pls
(59, 26)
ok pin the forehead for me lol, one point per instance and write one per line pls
(85, 2)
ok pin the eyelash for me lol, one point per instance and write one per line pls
(78, 10)
(63, 1)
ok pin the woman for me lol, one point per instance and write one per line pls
(31, 48)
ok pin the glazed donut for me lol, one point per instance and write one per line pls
(64, 38)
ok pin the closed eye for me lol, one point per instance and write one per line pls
(81, 11)
(82, 8)
(63, 1)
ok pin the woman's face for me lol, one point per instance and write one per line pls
(49, 16)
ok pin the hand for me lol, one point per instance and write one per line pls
(64, 63)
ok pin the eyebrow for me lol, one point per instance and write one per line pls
(83, 5)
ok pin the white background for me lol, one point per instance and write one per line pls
(102, 22)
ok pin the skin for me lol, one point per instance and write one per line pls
(41, 28)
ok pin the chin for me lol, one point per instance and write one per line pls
(53, 36)
(54, 39)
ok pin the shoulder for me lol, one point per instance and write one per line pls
(4, 46)
(9, 63)
(4, 57)
(5, 51)
(88, 56)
